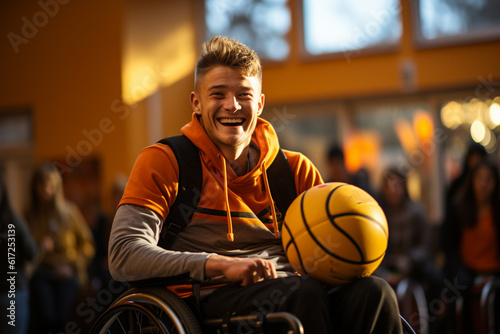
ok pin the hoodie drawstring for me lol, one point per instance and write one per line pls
(273, 209)
(230, 234)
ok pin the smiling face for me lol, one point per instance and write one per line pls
(229, 104)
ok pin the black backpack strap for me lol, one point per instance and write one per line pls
(189, 190)
(282, 182)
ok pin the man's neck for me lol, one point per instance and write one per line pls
(242, 161)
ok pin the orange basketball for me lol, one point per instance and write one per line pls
(335, 232)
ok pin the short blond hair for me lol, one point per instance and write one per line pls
(224, 51)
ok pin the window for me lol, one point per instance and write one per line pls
(15, 128)
(16, 153)
(334, 26)
(263, 25)
(459, 20)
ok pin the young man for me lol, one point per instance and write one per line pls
(234, 233)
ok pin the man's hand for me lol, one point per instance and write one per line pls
(246, 271)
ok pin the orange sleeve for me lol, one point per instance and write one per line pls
(306, 174)
(154, 180)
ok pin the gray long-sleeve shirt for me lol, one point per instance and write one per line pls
(134, 254)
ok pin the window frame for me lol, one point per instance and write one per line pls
(473, 37)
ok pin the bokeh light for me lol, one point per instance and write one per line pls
(423, 126)
(452, 115)
(495, 113)
(477, 131)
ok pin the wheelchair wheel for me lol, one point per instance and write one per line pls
(406, 326)
(128, 319)
(169, 313)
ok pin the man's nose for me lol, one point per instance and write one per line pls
(231, 104)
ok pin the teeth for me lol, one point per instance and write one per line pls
(231, 120)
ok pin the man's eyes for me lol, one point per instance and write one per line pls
(242, 95)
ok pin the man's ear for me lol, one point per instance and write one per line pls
(195, 103)
(261, 104)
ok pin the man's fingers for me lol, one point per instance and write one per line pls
(268, 270)
(257, 277)
(248, 271)
(272, 271)
(265, 270)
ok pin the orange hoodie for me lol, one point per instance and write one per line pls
(230, 206)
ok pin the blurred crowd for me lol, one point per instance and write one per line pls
(59, 260)
(446, 275)
(438, 270)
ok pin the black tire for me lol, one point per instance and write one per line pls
(169, 311)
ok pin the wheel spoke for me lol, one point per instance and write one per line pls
(148, 312)
(121, 325)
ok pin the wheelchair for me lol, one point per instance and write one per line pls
(171, 306)
(413, 303)
(485, 306)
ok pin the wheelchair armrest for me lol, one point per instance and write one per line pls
(182, 285)
(163, 281)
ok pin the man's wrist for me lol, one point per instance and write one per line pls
(215, 265)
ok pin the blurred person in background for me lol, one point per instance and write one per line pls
(16, 243)
(407, 253)
(471, 234)
(337, 170)
(66, 249)
(475, 154)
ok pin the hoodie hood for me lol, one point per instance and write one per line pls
(264, 137)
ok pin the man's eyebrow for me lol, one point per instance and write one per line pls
(217, 87)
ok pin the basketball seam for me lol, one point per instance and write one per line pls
(292, 241)
(360, 215)
(332, 221)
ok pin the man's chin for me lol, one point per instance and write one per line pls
(232, 134)
(235, 141)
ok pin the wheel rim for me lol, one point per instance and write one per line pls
(131, 319)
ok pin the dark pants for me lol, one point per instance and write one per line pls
(52, 300)
(367, 305)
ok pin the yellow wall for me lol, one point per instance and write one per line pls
(68, 72)
(159, 54)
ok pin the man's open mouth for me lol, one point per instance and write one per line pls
(231, 121)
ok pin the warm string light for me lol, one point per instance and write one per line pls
(482, 117)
